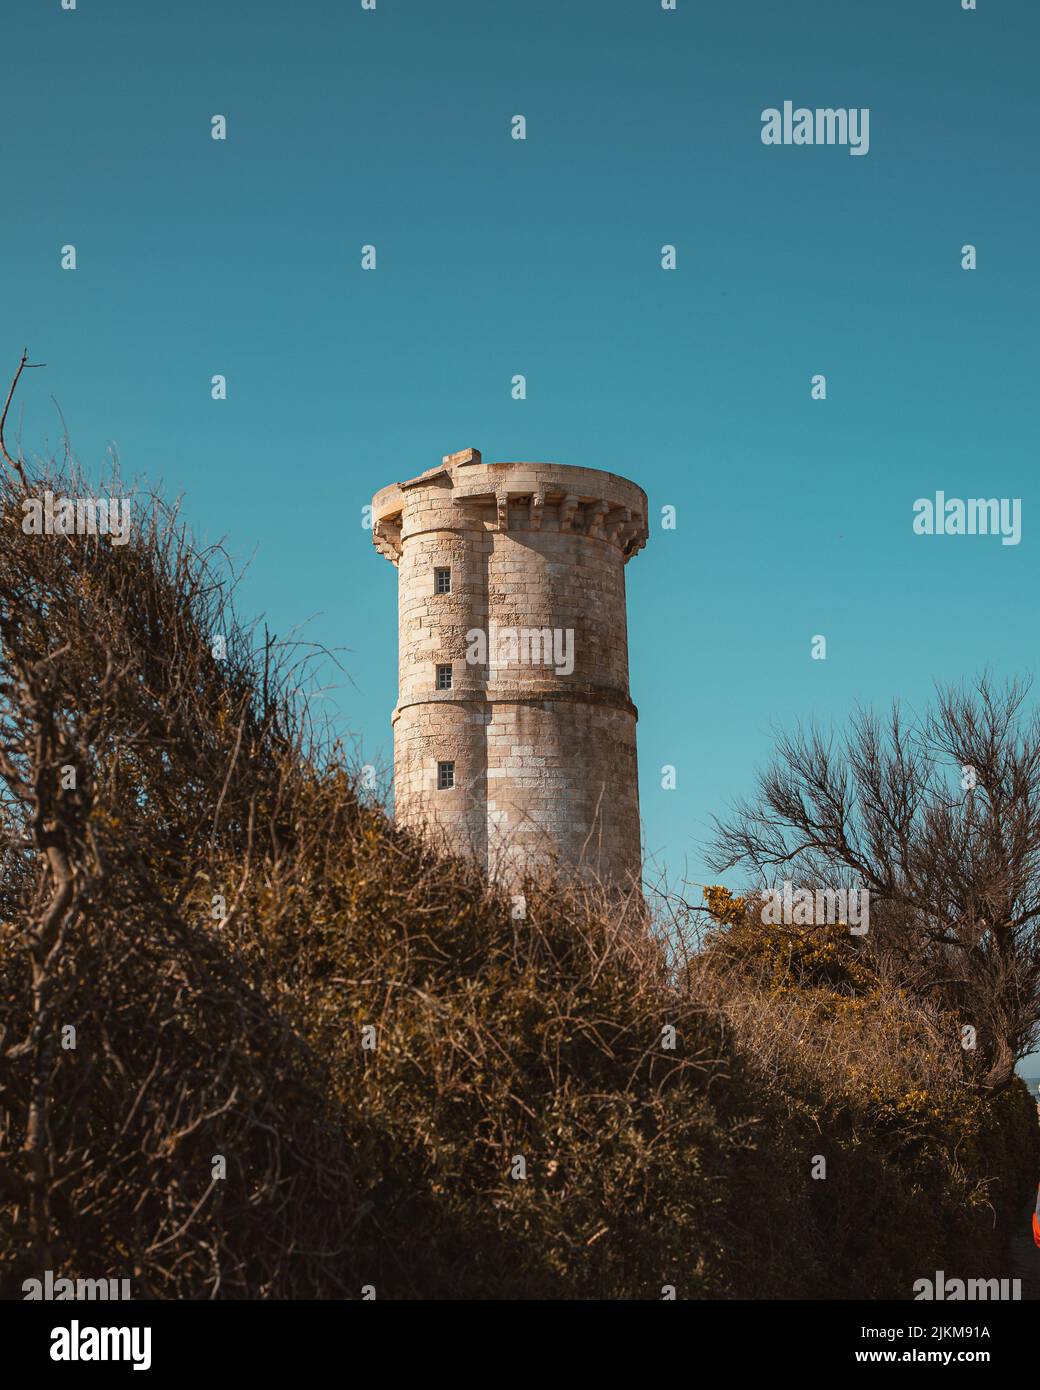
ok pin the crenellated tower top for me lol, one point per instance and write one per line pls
(512, 497)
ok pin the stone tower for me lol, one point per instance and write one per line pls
(514, 733)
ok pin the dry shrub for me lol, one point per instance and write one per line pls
(501, 1039)
(922, 1171)
(222, 918)
(199, 779)
(107, 1148)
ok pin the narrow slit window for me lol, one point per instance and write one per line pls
(444, 677)
(442, 581)
(445, 776)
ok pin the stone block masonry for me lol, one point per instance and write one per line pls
(514, 733)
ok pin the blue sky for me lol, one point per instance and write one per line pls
(542, 257)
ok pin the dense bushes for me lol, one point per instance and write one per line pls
(922, 1172)
(311, 1055)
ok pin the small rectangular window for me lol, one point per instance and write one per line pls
(445, 776)
(443, 677)
(442, 581)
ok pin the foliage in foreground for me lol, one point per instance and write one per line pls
(225, 921)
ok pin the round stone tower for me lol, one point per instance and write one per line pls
(514, 733)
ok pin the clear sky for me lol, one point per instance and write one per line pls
(543, 257)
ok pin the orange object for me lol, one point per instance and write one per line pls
(1036, 1218)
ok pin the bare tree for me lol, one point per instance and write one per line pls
(939, 818)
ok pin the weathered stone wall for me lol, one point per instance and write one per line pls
(545, 748)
